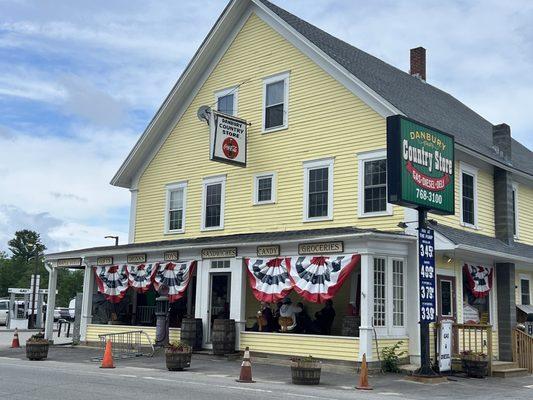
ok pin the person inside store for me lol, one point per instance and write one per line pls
(276, 325)
(304, 324)
(287, 312)
(324, 318)
(265, 319)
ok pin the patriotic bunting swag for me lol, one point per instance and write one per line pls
(176, 276)
(112, 281)
(318, 279)
(140, 277)
(479, 279)
(269, 278)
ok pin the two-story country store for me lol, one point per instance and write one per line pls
(290, 206)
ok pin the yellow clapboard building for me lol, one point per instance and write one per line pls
(269, 157)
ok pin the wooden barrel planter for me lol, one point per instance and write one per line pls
(37, 351)
(223, 336)
(350, 325)
(178, 361)
(305, 372)
(192, 332)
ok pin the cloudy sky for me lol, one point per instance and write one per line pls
(79, 81)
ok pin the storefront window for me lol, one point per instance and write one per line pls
(397, 293)
(379, 292)
(476, 310)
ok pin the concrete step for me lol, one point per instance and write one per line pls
(510, 372)
(503, 365)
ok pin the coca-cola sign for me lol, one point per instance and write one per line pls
(228, 138)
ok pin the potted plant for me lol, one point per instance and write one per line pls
(37, 347)
(475, 364)
(305, 370)
(178, 355)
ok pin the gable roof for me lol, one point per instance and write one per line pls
(397, 90)
(417, 99)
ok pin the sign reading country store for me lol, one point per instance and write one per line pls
(228, 138)
(420, 166)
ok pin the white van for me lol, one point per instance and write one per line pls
(4, 309)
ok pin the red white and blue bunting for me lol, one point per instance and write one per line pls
(269, 278)
(112, 282)
(176, 276)
(479, 279)
(315, 278)
(141, 276)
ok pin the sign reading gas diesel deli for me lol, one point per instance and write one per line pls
(228, 138)
(420, 166)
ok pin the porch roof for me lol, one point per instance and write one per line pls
(490, 245)
(236, 239)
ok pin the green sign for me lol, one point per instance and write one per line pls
(420, 166)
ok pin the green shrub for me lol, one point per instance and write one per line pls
(391, 356)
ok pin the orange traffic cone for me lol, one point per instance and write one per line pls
(246, 368)
(363, 376)
(15, 344)
(107, 361)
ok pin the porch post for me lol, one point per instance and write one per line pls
(505, 285)
(51, 304)
(87, 302)
(238, 298)
(367, 307)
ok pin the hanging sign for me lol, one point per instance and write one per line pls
(420, 166)
(219, 253)
(320, 248)
(136, 258)
(104, 260)
(228, 138)
(445, 346)
(426, 277)
(69, 262)
(265, 251)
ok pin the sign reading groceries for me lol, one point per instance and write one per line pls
(228, 138)
(420, 166)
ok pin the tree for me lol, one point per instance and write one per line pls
(25, 244)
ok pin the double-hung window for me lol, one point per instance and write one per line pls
(515, 211)
(468, 196)
(275, 102)
(318, 190)
(213, 203)
(175, 207)
(373, 184)
(389, 294)
(265, 188)
(525, 295)
(227, 100)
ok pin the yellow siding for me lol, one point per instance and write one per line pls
(93, 330)
(383, 343)
(325, 119)
(525, 211)
(324, 347)
(485, 203)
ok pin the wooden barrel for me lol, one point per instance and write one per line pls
(192, 332)
(350, 325)
(223, 336)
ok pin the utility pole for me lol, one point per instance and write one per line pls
(33, 316)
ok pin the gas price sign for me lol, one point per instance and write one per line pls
(426, 257)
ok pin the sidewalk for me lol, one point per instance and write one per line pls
(6, 337)
(222, 368)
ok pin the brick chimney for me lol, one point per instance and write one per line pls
(501, 139)
(418, 63)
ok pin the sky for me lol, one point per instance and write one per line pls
(79, 82)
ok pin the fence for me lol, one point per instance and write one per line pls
(145, 315)
(523, 350)
(129, 344)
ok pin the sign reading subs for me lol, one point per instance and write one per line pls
(228, 138)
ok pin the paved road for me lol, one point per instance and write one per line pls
(69, 374)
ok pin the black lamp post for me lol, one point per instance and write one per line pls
(32, 320)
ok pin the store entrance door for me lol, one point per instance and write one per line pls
(219, 299)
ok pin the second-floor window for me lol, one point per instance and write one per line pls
(265, 188)
(275, 102)
(524, 291)
(175, 209)
(468, 196)
(515, 211)
(373, 184)
(318, 190)
(213, 203)
(227, 101)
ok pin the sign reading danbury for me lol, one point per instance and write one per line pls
(420, 166)
(228, 138)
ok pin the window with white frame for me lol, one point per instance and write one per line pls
(175, 208)
(275, 102)
(265, 188)
(525, 294)
(227, 101)
(213, 203)
(318, 190)
(468, 196)
(515, 211)
(373, 184)
(217, 264)
(389, 294)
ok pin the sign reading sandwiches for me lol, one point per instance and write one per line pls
(420, 166)
(228, 138)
